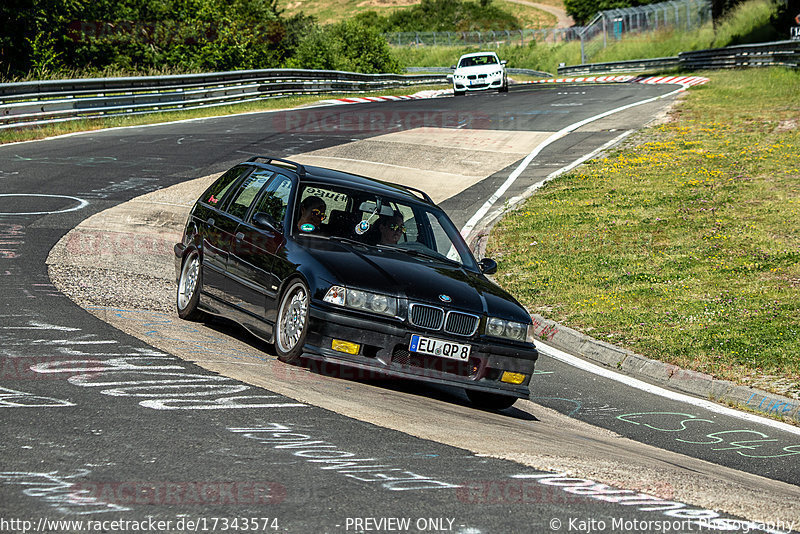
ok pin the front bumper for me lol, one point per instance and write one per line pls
(478, 84)
(384, 349)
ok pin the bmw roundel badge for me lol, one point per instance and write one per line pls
(445, 298)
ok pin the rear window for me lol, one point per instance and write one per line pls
(248, 191)
(216, 193)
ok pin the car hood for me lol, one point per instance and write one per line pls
(423, 280)
(479, 69)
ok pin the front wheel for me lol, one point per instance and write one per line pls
(490, 401)
(189, 285)
(292, 324)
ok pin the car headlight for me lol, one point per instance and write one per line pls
(362, 300)
(497, 327)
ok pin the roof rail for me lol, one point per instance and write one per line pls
(421, 192)
(299, 169)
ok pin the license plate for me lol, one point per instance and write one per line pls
(438, 347)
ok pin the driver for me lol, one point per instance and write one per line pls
(391, 228)
(312, 213)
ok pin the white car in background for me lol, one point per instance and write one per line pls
(479, 71)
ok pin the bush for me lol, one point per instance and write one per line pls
(348, 46)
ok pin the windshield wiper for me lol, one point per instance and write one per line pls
(423, 254)
(347, 240)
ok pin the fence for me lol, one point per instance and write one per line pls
(43, 102)
(607, 25)
(612, 24)
(490, 38)
(779, 53)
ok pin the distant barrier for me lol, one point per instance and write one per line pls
(509, 70)
(46, 102)
(779, 53)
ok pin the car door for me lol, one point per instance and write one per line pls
(257, 239)
(215, 230)
(240, 291)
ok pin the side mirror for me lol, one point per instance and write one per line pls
(264, 221)
(453, 67)
(487, 266)
(503, 62)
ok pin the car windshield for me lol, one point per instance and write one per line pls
(379, 221)
(477, 60)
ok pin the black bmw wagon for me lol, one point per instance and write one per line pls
(340, 268)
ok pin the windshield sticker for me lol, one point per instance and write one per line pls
(362, 227)
(307, 227)
(213, 200)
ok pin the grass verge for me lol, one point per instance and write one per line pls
(684, 244)
(114, 121)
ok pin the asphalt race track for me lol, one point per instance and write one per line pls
(119, 417)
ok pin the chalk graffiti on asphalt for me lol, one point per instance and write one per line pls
(742, 441)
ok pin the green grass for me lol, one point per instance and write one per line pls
(684, 245)
(747, 23)
(538, 56)
(81, 125)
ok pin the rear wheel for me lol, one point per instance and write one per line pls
(490, 401)
(189, 285)
(292, 324)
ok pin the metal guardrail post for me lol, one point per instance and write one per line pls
(43, 102)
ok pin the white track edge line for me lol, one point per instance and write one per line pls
(473, 221)
(574, 361)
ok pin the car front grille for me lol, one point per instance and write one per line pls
(435, 318)
(423, 362)
(426, 316)
(462, 324)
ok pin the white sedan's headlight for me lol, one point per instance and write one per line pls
(362, 300)
(497, 327)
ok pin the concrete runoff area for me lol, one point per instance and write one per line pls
(118, 264)
(440, 161)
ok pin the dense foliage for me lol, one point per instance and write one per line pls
(46, 37)
(443, 16)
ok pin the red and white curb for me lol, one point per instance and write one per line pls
(685, 81)
(422, 95)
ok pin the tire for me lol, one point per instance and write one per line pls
(490, 401)
(459, 93)
(504, 87)
(292, 324)
(189, 286)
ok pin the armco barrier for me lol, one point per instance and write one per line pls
(779, 53)
(43, 102)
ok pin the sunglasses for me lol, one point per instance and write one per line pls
(318, 213)
(397, 228)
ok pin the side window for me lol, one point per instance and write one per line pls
(275, 198)
(216, 192)
(247, 192)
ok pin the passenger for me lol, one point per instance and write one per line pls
(312, 213)
(391, 228)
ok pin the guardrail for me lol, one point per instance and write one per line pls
(638, 65)
(509, 70)
(44, 102)
(779, 53)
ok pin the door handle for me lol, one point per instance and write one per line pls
(211, 221)
(239, 236)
